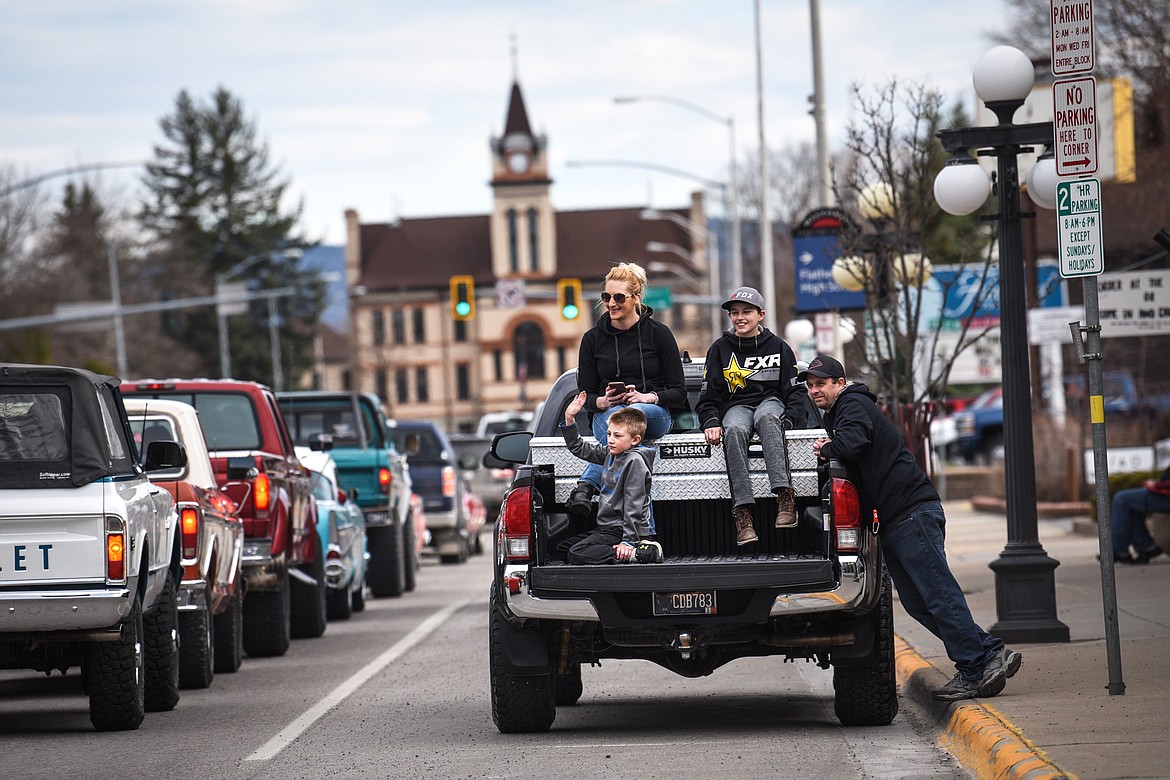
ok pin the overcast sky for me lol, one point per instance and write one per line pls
(388, 106)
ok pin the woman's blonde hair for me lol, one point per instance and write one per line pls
(634, 278)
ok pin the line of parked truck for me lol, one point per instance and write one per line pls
(153, 533)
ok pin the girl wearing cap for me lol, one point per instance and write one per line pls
(748, 388)
(626, 359)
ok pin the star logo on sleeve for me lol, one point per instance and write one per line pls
(735, 376)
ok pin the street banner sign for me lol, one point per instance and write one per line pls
(511, 294)
(1072, 37)
(1078, 216)
(1074, 116)
(816, 245)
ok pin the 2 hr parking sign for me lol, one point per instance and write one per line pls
(1078, 210)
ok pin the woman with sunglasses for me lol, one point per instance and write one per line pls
(627, 359)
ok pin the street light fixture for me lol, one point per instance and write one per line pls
(732, 178)
(1025, 590)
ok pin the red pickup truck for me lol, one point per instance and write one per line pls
(255, 463)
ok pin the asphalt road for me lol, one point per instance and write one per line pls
(401, 690)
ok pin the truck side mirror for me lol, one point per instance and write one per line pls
(510, 447)
(320, 442)
(165, 456)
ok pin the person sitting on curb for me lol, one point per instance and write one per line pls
(623, 511)
(908, 512)
(748, 388)
(1128, 513)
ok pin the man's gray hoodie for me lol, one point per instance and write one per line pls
(625, 484)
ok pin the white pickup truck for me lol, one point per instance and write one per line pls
(88, 559)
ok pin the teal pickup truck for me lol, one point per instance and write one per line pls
(368, 467)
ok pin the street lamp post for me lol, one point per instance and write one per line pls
(116, 300)
(732, 178)
(1025, 591)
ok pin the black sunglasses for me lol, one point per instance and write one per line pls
(618, 298)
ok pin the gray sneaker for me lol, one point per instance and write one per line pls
(958, 688)
(1002, 665)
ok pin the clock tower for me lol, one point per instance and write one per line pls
(523, 228)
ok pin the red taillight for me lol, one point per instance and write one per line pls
(517, 524)
(147, 386)
(846, 515)
(189, 531)
(448, 481)
(261, 492)
(384, 479)
(115, 549)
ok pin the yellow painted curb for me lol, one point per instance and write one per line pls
(980, 737)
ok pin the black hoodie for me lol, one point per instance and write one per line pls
(745, 372)
(645, 355)
(875, 456)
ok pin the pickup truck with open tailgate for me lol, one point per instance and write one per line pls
(817, 592)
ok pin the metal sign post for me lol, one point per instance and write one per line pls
(1081, 254)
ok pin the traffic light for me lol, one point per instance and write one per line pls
(462, 297)
(569, 298)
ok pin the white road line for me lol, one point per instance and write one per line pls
(289, 733)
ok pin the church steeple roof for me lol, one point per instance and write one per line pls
(517, 120)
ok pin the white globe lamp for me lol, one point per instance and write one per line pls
(912, 269)
(799, 331)
(876, 201)
(1003, 73)
(851, 273)
(962, 186)
(1042, 181)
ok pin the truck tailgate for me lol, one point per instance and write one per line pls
(56, 547)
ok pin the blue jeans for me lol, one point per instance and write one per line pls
(1128, 515)
(739, 422)
(658, 422)
(915, 555)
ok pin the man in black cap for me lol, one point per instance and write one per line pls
(907, 509)
(748, 388)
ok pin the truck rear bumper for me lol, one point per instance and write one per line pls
(192, 595)
(63, 610)
(849, 593)
(260, 570)
(441, 520)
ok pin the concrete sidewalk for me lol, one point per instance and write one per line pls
(1056, 717)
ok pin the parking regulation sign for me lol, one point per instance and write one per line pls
(1072, 37)
(1074, 119)
(1078, 217)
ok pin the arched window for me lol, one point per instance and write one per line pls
(513, 245)
(533, 240)
(528, 346)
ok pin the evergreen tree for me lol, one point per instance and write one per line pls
(214, 203)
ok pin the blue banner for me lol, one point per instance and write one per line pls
(815, 288)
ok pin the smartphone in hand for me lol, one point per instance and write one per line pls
(615, 388)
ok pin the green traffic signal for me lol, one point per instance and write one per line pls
(463, 308)
(570, 312)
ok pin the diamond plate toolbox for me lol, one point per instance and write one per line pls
(688, 468)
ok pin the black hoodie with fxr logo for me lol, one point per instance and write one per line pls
(746, 372)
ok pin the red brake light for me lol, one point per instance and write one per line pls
(189, 527)
(115, 549)
(517, 524)
(846, 515)
(384, 479)
(448, 481)
(155, 386)
(261, 492)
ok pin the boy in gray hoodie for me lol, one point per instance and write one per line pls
(623, 509)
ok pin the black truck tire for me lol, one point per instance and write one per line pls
(196, 649)
(115, 677)
(266, 620)
(409, 558)
(338, 605)
(386, 575)
(868, 695)
(228, 634)
(520, 703)
(160, 634)
(309, 602)
(569, 685)
(358, 597)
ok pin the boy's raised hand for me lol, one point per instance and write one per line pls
(576, 405)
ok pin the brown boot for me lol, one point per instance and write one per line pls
(745, 532)
(786, 508)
